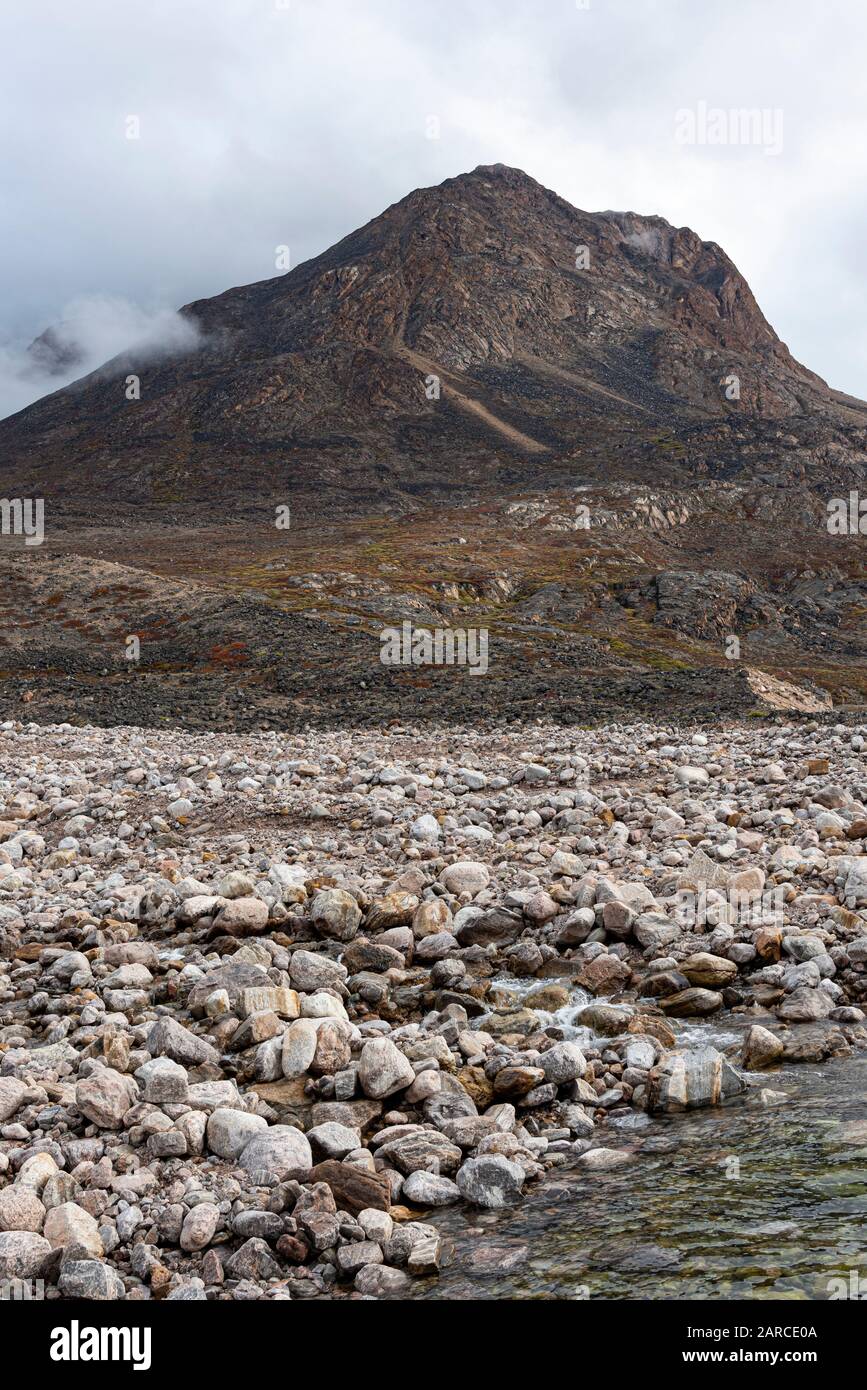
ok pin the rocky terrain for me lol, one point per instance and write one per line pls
(269, 1003)
(485, 409)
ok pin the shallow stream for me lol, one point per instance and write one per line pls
(744, 1201)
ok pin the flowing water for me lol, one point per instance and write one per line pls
(746, 1200)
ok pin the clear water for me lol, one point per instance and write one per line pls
(746, 1201)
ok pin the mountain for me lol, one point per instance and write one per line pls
(480, 332)
(486, 410)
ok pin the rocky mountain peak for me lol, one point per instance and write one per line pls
(480, 321)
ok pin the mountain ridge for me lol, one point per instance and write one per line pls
(451, 340)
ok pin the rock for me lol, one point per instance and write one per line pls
(465, 877)
(425, 829)
(813, 1042)
(491, 1181)
(90, 1279)
(169, 1038)
(855, 888)
(768, 1097)
(310, 972)
(242, 917)
(702, 871)
(577, 927)
(105, 1096)
(382, 1281)
(269, 998)
(691, 1003)
(539, 907)
(513, 1082)
(426, 1150)
(396, 909)
(424, 1257)
(278, 1150)
(351, 1258)
(570, 865)
(20, 1209)
(21, 1254)
(234, 976)
(563, 1062)
(200, 905)
(692, 1079)
(230, 1131)
(382, 1069)
(354, 1189)
(299, 1047)
(200, 1226)
(608, 1019)
(761, 1048)
(524, 1021)
(12, 1093)
(253, 1260)
(164, 1081)
(335, 913)
(805, 1005)
(604, 975)
(602, 1159)
(333, 1050)
(362, 954)
(432, 918)
(618, 919)
(712, 972)
(334, 1140)
(70, 1224)
(430, 1189)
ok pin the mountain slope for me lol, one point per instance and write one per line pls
(450, 343)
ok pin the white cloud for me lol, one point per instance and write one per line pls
(91, 330)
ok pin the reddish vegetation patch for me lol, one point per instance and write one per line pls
(230, 654)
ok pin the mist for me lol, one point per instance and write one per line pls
(91, 330)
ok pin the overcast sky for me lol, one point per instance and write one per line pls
(265, 123)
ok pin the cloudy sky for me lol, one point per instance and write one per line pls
(271, 122)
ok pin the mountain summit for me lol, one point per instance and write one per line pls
(480, 328)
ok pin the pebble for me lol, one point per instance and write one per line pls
(380, 983)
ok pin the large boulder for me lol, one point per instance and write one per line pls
(382, 1069)
(242, 917)
(70, 1224)
(105, 1096)
(21, 1254)
(12, 1093)
(309, 971)
(335, 913)
(466, 877)
(278, 1150)
(711, 972)
(691, 1003)
(230, 1131)
(761, 1048)
(805, 1005)
(692, 1079)
(169, 1038)
(490, 1181)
